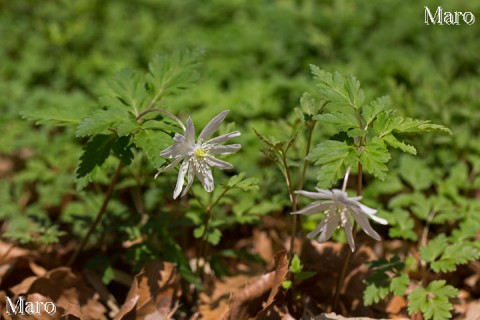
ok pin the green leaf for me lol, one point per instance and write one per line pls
(342, 121)
(384, 265)
(95, 152)
(213, 236)
(286, 284)
(384, 123)
(399, 284)
(434, 248)
(433, 301)
(152, 142)
(101, 120)
(170, 74)
(395, 143)
(121, 149)
(334, 157)
(296, 265)
(414, 125)
(57, 115)
(401, 225)
(374, 293)
(453, 255)
(239, 181)
(374, 158)
(337, 89)
(129, 87)
(128, 126)
(371, 110)
(308, 107)
(416, 173)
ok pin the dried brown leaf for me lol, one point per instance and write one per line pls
(67, 291)
(215, 304)
(247, 303)
(153, 294)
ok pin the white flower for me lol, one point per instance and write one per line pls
(198, 156)
(339, 209)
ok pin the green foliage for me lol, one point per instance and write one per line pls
(369, 147)
(444, 257)
(341, 91)
(57, 64)
(433, 300)
(374, 158)
(334, 157)
(173, 73)
(387, 277)
(153, 141)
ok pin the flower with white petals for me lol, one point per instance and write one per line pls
(339, 209)
(198, 156)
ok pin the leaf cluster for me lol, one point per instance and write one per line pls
(364, 131)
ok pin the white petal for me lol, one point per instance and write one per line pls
(314, 195)
(224, 137)
(366, 209)
(212, 126)
(191, 174)
(180, 179)
(340, 195)
(178, 138)
(325, 192)
(315, 207)
(362, 220)
(178, 149)
(330, 225)
(348, 233)
(318, 229)
(204, 174)
(169, 166)
(214, 162)
(225, 149)
(378, 219)
(190, 132)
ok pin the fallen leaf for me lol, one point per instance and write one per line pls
(473, 311)
(153, 295)
(66, 290)
(281, 271)
(215, 304)
(396, 304)
(248, 303)
(334, 316)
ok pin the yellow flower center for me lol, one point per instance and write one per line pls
(200, 153)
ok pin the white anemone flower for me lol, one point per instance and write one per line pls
(198, 156)
(339, 209)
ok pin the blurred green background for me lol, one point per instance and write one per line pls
(58, 55)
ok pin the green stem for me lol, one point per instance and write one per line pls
(203, 245)
(300, 187)
(100, 214)
(164, 112)
(293, 199)
(349, 253)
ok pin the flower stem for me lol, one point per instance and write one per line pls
(164, 112)
(293, 199)
(349, 253)
(100, 214)
(203, 245)
(300, 187)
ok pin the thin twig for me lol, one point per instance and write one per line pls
(100, 214)
(300, 187)
(164, 112)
